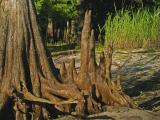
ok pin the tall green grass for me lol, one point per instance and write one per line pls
(128, 29)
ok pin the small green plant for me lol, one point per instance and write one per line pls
(101, 36)
(142, 94)
(56, 44)
(128, 29)
(100, 47)
(66, 8)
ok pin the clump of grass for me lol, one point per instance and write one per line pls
(100, 47)
(128, 29)
(56, 44)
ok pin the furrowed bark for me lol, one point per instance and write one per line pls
(99, 78)
(24, 60)
(29, 80)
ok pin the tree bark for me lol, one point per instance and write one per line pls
(29, 80)
(23, 60)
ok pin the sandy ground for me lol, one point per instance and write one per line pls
(140, 73)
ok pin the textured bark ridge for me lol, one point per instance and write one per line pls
(30, 85)
(95, 79)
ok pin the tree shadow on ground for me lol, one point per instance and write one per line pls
(142, 78)
(150, 104)
(146, 85)
(139, 69)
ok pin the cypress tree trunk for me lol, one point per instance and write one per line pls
(29, 80)
(24, 65)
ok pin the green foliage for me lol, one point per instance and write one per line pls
(128, 29)
(100, 47)
(65, 8)
(157, 2)
(38, 5)
(56, 44)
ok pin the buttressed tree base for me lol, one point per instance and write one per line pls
(31, 88)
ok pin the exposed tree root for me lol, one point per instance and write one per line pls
(30, 81)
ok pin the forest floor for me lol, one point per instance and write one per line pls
(140, 74)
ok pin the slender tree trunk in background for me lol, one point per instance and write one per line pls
(68, 32)
(73, 30)
(58, 34)
(29, 82)
(49, 36)
(64, 35)
(55, 33)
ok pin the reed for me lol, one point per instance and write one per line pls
(128, 29)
